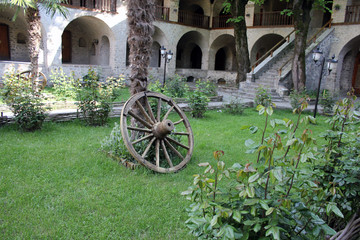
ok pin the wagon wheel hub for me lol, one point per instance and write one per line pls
(162, 129)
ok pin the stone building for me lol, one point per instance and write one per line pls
(95, 34)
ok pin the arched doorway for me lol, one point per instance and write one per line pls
(66, 47)
(356, 75)
(262, 45)
(4, 42)
(188, 51)
(155, 55)
(104, 51)
(220, 59)
(196, 57)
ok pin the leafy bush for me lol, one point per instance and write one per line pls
(95, 97)
(327, 101)
(277, 196)
(156, 86)
(262, 97)
(64, 86)
(114, 144)
(207, 87)
(341, 161)
(177, 87)
(198, 103)
(297, 98)
(25, 101)
(234, 107)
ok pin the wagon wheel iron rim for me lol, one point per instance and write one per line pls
(157, 128)
(40, 81)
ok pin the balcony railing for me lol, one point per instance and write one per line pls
(162, 13)
(272, 19)
(221, 22)
(352, 14)
(193, 19)
(102, 5)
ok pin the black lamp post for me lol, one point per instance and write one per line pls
(317, 55)
(167, 57)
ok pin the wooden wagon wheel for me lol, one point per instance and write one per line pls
(40, 81)
(156, 132)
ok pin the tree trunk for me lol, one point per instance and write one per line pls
(241, 44)
(141, 15)
(301, 10)
(34, 33)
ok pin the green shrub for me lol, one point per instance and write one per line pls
(275, 196)
(327, 101)
(95, 98)
(156, 86)
(207, 87)
(64, 86)
(297, 98)
(262, 97)
(114, 144)
(340, 163)
(25, 101)
(198, 103)
(177, 87)
(235, 107)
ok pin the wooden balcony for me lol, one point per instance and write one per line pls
(193, 19)
(102, 5)
(162, 13)
(221, 22)
(272, 19)
(352, 14)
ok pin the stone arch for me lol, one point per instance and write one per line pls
(346, 65)
(159, 39)
(104, 50)
(264, 44)
(98, 38)
(222, 53)
(189, 51)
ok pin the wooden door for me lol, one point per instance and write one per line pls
(356, 75)
(4, 42)
(66, 47)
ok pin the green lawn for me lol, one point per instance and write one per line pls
(55, 184)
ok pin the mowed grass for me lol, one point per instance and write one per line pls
(56, 184)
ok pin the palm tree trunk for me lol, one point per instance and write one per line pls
(34, 33)
(141, 15)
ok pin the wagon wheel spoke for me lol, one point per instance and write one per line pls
(181, 133)
(142, 139)
(157, 153)
(177, 143)
(138, 118)
(158, 110)
(148, 147)
(139, 129)
(174, 149)
(180, 121)
(149, 109)
(166, 154)
(167, 113)
(144, 113)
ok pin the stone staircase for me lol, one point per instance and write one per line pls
(268, 79)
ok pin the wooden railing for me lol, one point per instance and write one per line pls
(311, 40)
(271, 51)
(352, 14)
(102, 5)
(162, 13)
(221, 22)
(193, 19)
(272, 19)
